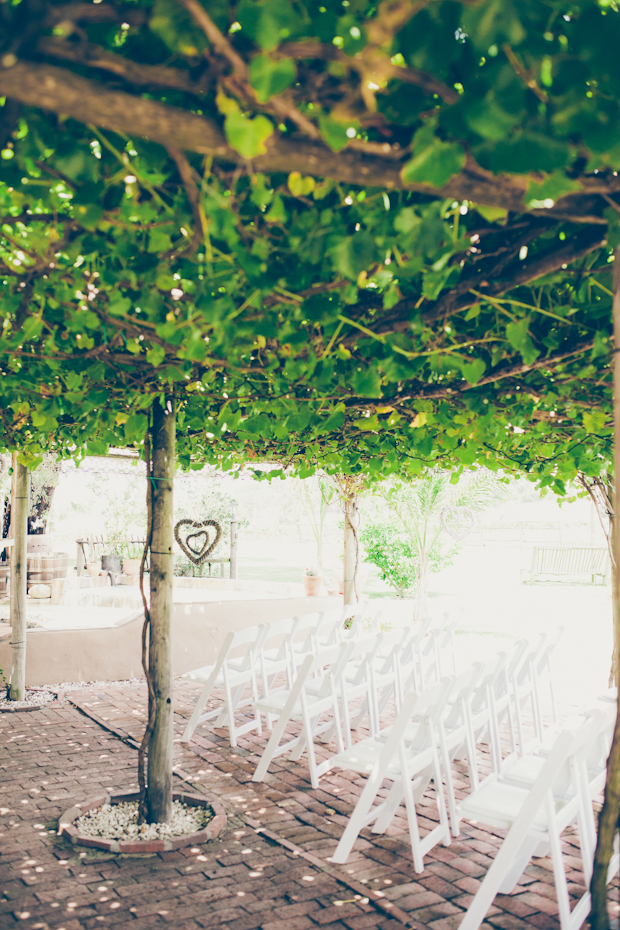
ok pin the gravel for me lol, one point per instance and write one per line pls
(120, 822)
(68, 686)
(33, 698)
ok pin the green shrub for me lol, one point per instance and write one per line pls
(387, 547)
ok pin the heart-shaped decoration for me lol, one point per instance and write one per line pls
(196, 545)
(458, 522)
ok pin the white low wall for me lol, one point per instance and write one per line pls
(113, 653)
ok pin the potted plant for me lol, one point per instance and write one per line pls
(132, 557)
(313, 581)
(111, 559)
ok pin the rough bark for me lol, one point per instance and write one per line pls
(608, 819)
(159, 780)
(421, 591)
(350, 563)
(64, 92)
(19, 531)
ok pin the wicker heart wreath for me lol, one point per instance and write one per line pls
(196, 545)
(458, 522)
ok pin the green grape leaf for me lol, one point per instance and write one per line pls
(435, 164)
(269, 78)
(247, 136)
(334, 133)
(544, 193)
(474, 370)
(267, 23)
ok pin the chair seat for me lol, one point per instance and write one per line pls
(363, 757)
(199, 675)
(499, 804)
(275, 703)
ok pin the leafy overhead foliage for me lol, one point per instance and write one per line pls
(412, 269)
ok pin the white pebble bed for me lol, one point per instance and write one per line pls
(120, 822)
(32, 699)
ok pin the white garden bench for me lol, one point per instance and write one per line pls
(576, 563)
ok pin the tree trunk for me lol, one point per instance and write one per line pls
(608, 819)
(19, 526)
(159, 780)
(421, 591)
(350, 550)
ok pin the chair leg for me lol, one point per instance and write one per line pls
(229, 715)
(412, 820)
(441, 800)
(520, 864)
(271, 747)
(358, 819)
(472, 758)
(520, 738)
(454, 820)
(501, 866)
(205, 694)
(389, 808)
(561, 886)
(308, 729)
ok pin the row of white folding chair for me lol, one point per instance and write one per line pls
(527, 683)
(536, 804)
(241, 659)
(298, 638)
(525, 770)
(514, 687)
(246, 655)
(469, 716)
(370, 668)
(431, 649)
(410, 762)
(234, 671)
(316, 692)
(431, 725)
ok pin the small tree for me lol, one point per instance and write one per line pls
(390, 549)
(428, 507)
(317, 494)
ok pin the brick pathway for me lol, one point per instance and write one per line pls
(243, 880)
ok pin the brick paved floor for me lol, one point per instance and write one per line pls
(57, 756)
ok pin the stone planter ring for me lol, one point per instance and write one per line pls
(209, 832)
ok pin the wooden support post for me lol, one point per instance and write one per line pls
(81, 561)
(159, 778)
(233, 547)
(19, 524)
(608, 819)
(350, 549)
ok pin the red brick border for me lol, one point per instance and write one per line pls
(212, 829)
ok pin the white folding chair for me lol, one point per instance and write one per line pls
(275, 655)
(536, 818)
(309, 700)
(358, 682)
(306, 638)
(389, 675)
(365, 621)
(234, 670)
(502, 707)
(525, 770)
(409, 764)
(542, 670)
(481, 708)
(456, 737)
(332, 630)
(444, 650)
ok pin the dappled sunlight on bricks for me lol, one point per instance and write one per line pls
(241, 880)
